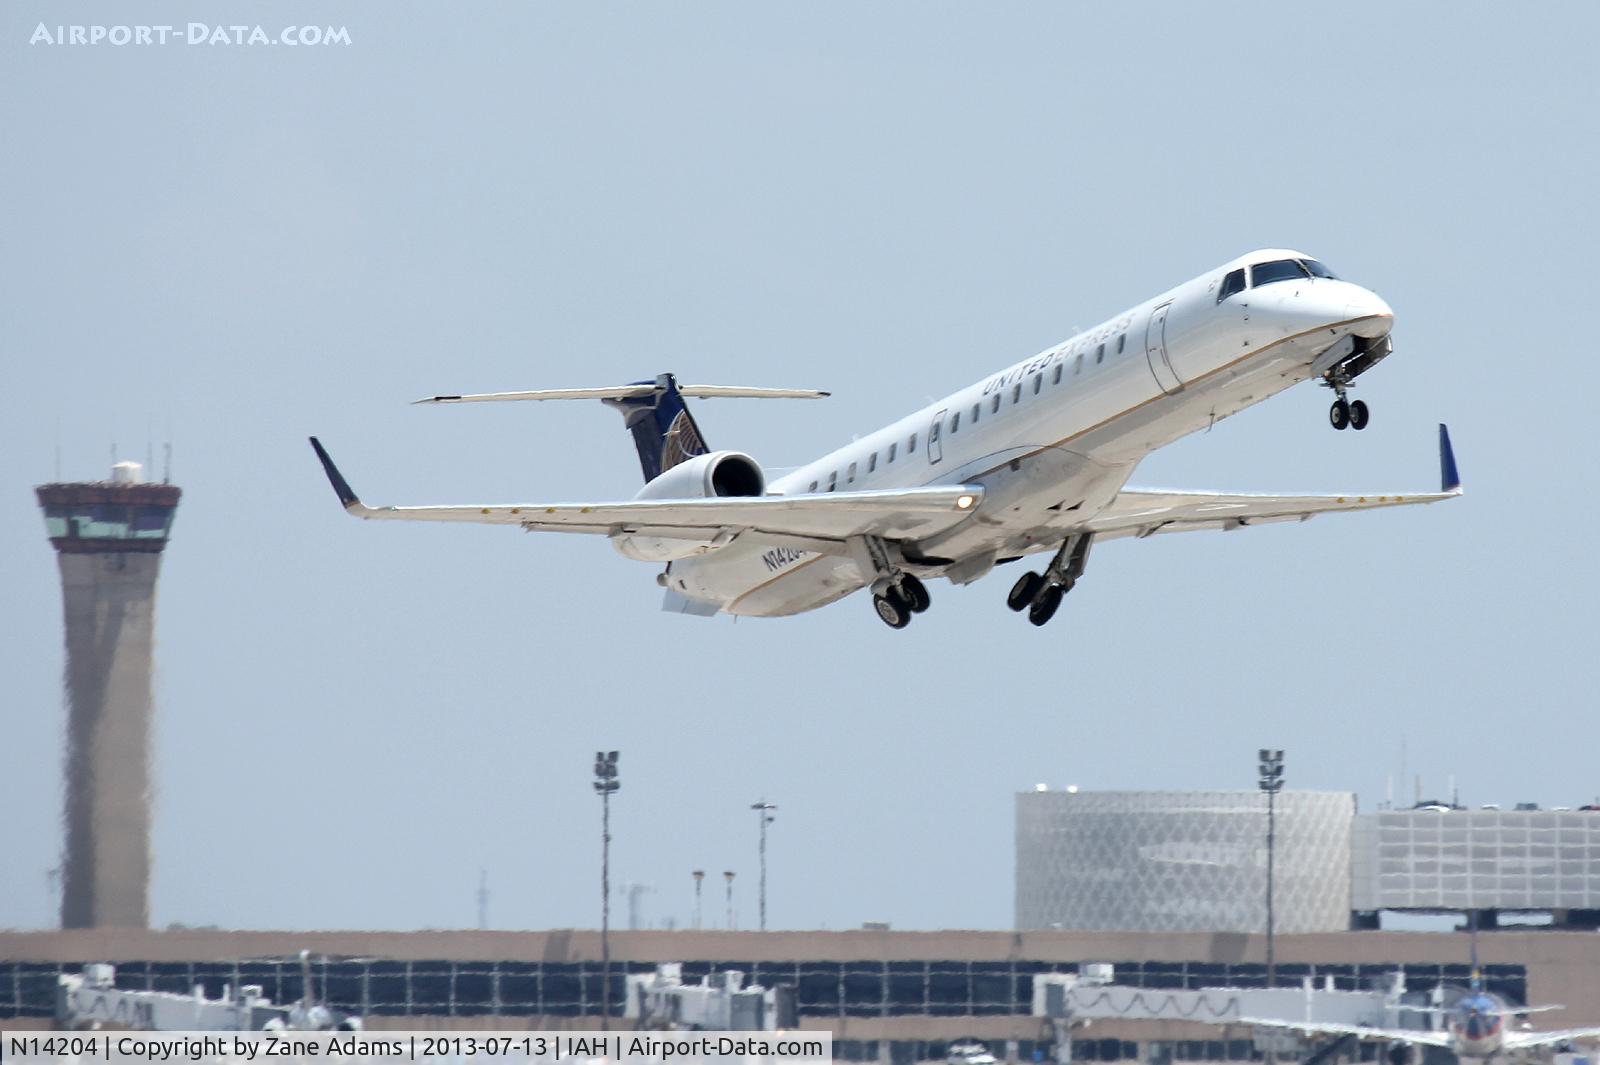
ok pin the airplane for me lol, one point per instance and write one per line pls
(1034, 458)
(1475, 1026)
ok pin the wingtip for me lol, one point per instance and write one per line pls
(341, 488)
(435, 399)
(1449, 476)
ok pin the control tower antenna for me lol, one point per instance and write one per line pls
(108, 536)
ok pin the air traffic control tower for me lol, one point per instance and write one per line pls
(108, 538)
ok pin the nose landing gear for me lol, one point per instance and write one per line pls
(1352, 413)
(1345, 412)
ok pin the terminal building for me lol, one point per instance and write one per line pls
(889, 996)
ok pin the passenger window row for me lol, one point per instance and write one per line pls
(977, 410)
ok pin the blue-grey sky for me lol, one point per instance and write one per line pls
(233, 247)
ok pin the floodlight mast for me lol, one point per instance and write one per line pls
(1270, 780)
(605, 783)
(764, 813)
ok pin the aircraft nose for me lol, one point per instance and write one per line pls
(1373, 317)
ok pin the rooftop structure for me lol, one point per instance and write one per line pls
(1443, 859)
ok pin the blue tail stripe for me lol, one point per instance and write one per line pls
(664, 432)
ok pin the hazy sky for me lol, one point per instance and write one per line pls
(233, 247)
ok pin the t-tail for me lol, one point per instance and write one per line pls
(664, 432)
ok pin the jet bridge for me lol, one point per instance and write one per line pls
(719, 1002)
(92, 998)
(1074, 1000)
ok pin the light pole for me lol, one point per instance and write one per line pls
(727, 876)
(764, 813)
(605, 782)
(699, 875)
(1271, 782)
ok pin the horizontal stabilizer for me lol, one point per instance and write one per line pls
(664, 432)
(634, 391)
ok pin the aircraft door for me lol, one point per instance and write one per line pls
(1155, 351)
(935, 449)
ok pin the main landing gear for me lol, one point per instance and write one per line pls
(896, 594)
(1345, 412)
(1040, 594)
(896, 602)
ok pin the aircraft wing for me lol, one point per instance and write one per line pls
(1388, 1035)
(1527, 1040)
(819, 522)
(1139, 512)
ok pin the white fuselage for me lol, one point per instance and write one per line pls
(1053, 438)
(1477, 1026)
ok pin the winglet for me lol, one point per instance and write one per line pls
(1449, 479)
(341, 487)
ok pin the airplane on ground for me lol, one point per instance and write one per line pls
(1475, 1026)
(1031, 459)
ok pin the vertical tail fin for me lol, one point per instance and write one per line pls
(664, 432)
(1472, 932)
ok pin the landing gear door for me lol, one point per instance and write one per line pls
(1155, 350)
(935, 449)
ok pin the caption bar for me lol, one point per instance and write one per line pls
(534, 1048)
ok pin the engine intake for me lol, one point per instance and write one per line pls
(720, 473)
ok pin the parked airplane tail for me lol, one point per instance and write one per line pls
(664, 432)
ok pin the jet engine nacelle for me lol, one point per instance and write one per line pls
(720, 473)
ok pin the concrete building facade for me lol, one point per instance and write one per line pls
(1483, 860)
(1150, 861)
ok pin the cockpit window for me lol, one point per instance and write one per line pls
(1281, 270)
(1316, 269)
(1231, 284)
